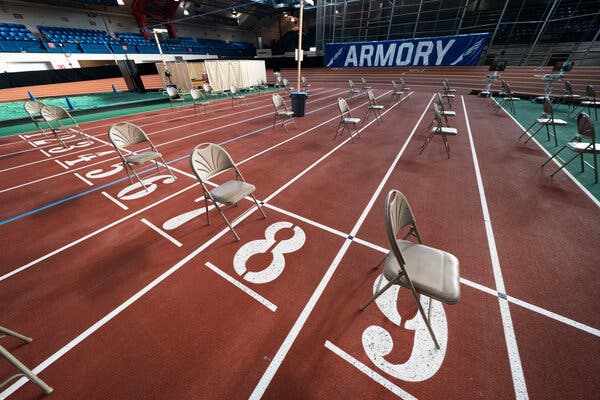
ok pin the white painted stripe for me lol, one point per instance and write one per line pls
(479, 287)
(117, 202)
(31, 143)
(555, 161)
(103, 321)
(557, 317)
(162, 233)
(306, 220)
(242, 287)
(277, 360)
(369, 372)
(60, 163)
(44, 153)
(509, 332)
(371, 245)
(83, 179)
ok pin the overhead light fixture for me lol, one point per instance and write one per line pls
(186, 12)
(159, 30)
(120, 2)
(234, 12)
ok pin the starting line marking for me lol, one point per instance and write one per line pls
(162, 233)
(117, 202)
(369, 372)
(242, 287)
(82, 178)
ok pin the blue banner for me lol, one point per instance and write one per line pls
(443, 50)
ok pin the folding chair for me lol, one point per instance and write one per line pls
(439, 129)
(278, 80)
(443, 112)
(448, 93)
(507, 98)
(60, 123)
(546, 120)
(569, 96)
(353, 92)
(403, 85)
(345, 120)
(373, 107)
(585, 128)
(287, 86)
(422, 269)
(33, 108)
(590, 101)
(209, 91)
(305, 84)
(487, 90)
(207, 160)
(131, 139)
(281, 112)
(364, 86)
(237, 97)
(200, 100)
(24, 371)
(396, 92)
(174, 96)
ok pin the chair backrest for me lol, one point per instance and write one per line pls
(207, 88)
(402, 82)
(196, 94)
(568, 88)
(363, 81)
(488, 87)
(125, 134)
(590, 92)
(33, 107)
(208, 159)
(394, 86)
(507, 89)
(278, 101)
(54, 113)
(172, 92)
(398, 215)
(437, 114)
(548, 110)
(548, 89)
(304, 80)
(585, 127)
(351, 84)
(372, 99)
(286, 83)
(233, 89)
(343, 106)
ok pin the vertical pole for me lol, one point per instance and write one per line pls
(418, 17)
(537, 38)
(391, 18)
(462, 16)
(494, 34)
(300, 45)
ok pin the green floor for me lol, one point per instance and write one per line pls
(526, 112)
(131, 104)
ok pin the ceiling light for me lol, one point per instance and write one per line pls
(121, 2)
(234, 13)
(186, 12)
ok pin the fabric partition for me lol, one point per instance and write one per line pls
(243, 73)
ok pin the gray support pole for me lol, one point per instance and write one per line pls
(462, 17)
(418, 17)
(333, 25)
(344, 21)
(320, 30)
(537, 38)
(391, 18)
(590, 46)
(495, 31)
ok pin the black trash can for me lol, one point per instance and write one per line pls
(298, 103)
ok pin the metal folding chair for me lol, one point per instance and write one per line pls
(439, 129)
(62, 125)
(200, 100)
(373, 107)
(237, 97)
(546, 120)
(282, 113)
(353, 91)
(33, 108)
(346, 119)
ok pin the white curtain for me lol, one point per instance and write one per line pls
(243, 73)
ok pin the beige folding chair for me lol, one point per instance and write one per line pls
(546, 120)
(208, 90)
(61, 123)
(353, 92)
(207, 160)
(305, 84)
(24, 371)
(443, 112)
(403, 85)
(487, 90)
(439, 129)
(373, 107)
(507, 98)
(590, 101)
(286, 85)
(135, 148)
(174, 96)
(364, 86)
(281, 112)
(422, 269)
(448, 93)
(396, 92)
(569, 96)
(237, 97)
(278, 80)
(345, 120)
(33, 108)
(199, 100)
(585, 128)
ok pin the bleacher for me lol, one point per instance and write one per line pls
(17, 38)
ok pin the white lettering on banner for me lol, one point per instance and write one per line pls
(409, 52)
(366, 53)
(351, 56)
(384, 61)
(441, 52)
(275, 268)
(424, 360)
(424, 49)
(129, 193)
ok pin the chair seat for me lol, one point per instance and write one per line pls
(351, 120)
(451, 90)
(591, 103)
(584, 147)
(238, 96)
(177, 98)
(232, 191)
(445, 130)
(433, 272)
(548, 121)
(512, 99)
(376, 107)
(141, 158)
(449, 113)
(448, 95)
(285, 113)
(397, 92)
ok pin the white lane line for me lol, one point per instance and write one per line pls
(83, 179)
(242, 287)
(162, 233)
(509, 332)
(369, 372)
(117, 202)
(555, 161)
(44, 153)
(307, 221)
(62, 164)
(289, 340)
(31, 143)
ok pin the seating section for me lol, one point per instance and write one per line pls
(17, 38)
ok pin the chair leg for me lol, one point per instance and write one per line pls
(227, 221)
(554, 155)
(425, 319)
(446, 145)
(426, 142)
(379, 293)
(258, 205)
(564, 165)
(535, 133)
